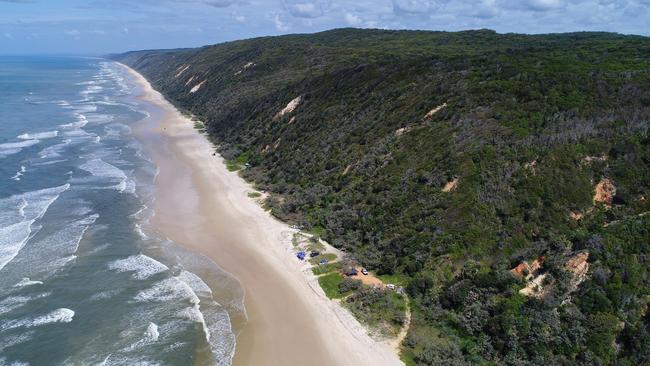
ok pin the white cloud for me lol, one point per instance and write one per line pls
(486, 9)
(306, 8)
(352, 19)
(215, 3)
(414, 6)
(534, 5)
(279, 24)
(72, 32)
(545, 4)
(9, 36)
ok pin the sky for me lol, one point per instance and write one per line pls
(103, 26)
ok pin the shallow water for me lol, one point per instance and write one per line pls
(83, 278)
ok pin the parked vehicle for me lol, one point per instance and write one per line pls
(314, 254)
(364, 271)
(323, 262)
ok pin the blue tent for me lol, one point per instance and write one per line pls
(301, 255)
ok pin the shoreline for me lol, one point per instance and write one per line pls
(203, 207)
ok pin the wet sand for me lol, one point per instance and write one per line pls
(202, 206)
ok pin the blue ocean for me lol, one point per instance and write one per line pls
(84, 280)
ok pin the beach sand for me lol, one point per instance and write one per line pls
(202, 206)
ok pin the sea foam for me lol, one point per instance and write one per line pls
(100, 168)
(11, 148)
(142, 266)
(25, 281)
(19, 173)
(62, 315)
(166, 290)
(44, 257)
(17, 214)
(39, 135)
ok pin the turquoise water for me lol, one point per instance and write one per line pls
(84, 280)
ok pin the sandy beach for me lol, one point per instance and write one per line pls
(202, 206)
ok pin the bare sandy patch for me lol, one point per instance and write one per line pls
(451, 185)
(434, 111)
(289, 108)
(183, 68)
(198, 86)
(605, 191)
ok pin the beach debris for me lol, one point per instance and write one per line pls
(605, 191)
(434, 111)
(290, 107)
(182, 68)
(451, 185)
(197, 86)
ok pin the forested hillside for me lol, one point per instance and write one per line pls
(504, 179)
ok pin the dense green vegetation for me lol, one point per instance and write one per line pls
(528, 126)
(383, 310)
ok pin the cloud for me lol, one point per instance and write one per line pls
(17, 1)
(9, 36)
(486, 9)
(218, 3)
(306, 8)
(72, 32)
(279, 24)
(414, 6)
(536, 5)
(352, 19)
(215, 3)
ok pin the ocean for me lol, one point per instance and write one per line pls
(84, 279)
